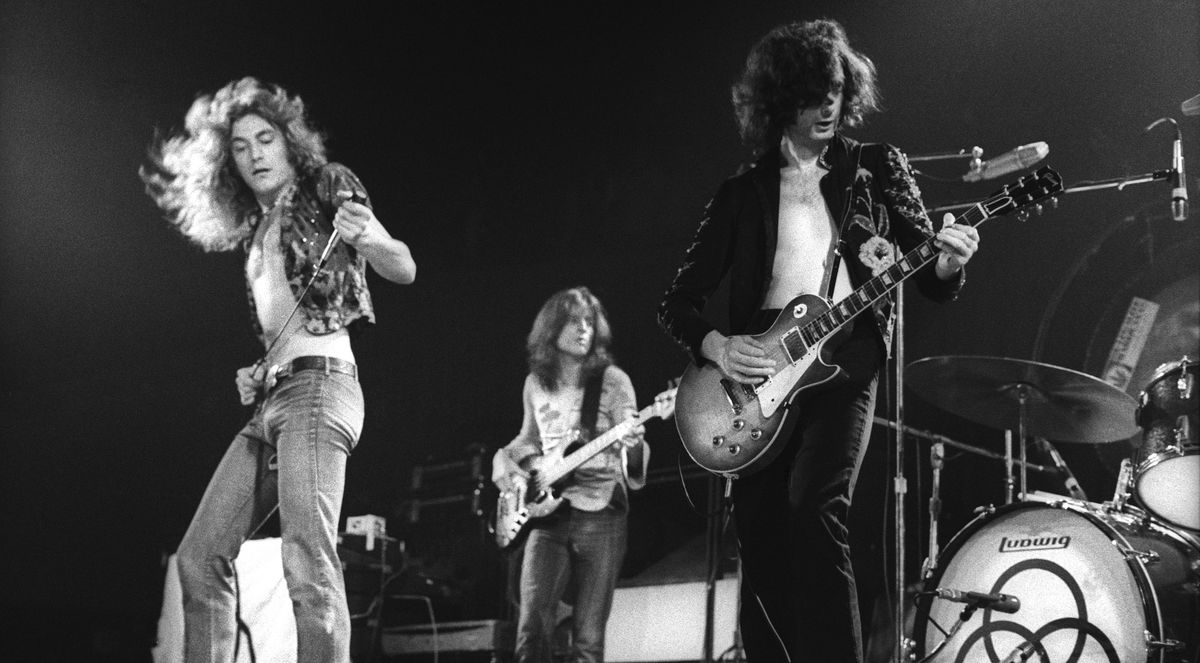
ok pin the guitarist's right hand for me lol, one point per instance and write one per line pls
(740, 358)
(249, 381)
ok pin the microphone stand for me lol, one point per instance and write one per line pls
(1118, 183)
(899, 483)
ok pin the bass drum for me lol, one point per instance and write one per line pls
(1094, 586)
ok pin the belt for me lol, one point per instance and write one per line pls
(279, 372)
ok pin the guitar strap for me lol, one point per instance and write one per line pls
(834, 257)
(590, 409)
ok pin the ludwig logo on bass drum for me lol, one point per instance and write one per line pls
(1027, 543)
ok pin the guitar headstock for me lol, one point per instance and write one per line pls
(1027, 191)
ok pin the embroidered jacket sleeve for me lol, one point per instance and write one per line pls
(339, 297)
(910, 224)
(705, 263)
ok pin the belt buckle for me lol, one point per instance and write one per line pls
(272, 377)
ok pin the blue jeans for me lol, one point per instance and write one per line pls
(290, 456)
(587, 548)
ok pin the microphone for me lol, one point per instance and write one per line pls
(1179, 197)
(1190, 106)
(998, 602)
(1069, 480)
(1009, 162)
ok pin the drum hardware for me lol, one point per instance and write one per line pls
(1166, 645)
(1143, 556)
(936, 460)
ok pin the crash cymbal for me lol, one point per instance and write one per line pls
(1060, 404)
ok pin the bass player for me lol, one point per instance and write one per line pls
(573, 389)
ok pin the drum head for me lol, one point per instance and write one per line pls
(1169, 487)
(1080, 599)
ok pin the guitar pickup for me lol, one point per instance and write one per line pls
(793, 344)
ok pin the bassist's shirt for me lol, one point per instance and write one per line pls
(551, 420)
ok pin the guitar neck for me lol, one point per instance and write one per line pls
(584, 453)
(890, 278)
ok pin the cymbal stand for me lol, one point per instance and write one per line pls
(936, 457)
(1008, 467)
(1023, 392)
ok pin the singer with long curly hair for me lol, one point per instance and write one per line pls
(249, 171)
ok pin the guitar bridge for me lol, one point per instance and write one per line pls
(731, 394)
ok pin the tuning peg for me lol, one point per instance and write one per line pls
(1022, 216)
(1053, 202)
(1037, 209)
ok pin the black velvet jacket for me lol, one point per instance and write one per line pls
(870, 191)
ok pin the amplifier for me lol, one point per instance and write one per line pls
(486, 635)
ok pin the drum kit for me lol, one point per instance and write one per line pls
(1059, 578)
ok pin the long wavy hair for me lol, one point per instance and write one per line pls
(793, 67)
(192, 176)
(545, 359)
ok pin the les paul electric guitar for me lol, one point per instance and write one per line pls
(729, 428)
(537, 496)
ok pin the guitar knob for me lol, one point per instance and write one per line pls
(734, 449)
(739, 424)
(755, 434)
(718, 440)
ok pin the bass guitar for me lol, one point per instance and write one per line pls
(729, 428)
(536, 496)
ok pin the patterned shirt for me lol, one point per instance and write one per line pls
(339, 297)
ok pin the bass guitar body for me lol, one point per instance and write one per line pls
(524, 502)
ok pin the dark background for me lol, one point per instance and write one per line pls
(519, 148)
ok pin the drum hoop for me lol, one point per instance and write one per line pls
(1145, 585)
(1169, 368)
(1155, 459)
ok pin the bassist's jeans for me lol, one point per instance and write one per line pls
(587, 548)
(799, 601)
(307, 427)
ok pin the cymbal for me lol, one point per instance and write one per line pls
(1060, 404)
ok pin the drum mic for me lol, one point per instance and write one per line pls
(998, 602)
(1179, 193)
(1073, 487)
(1009, 162)
(1021, 653)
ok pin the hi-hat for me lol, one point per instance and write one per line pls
(1060, 404)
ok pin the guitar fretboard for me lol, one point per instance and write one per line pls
(868, 293)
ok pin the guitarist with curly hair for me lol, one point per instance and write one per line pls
(817, 214)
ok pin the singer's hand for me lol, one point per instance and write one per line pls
(957, 242)
(358, 226)
(357, 223)
(249, 379)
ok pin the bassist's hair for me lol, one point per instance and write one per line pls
(545, 361)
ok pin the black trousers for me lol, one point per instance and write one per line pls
(799, 601)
